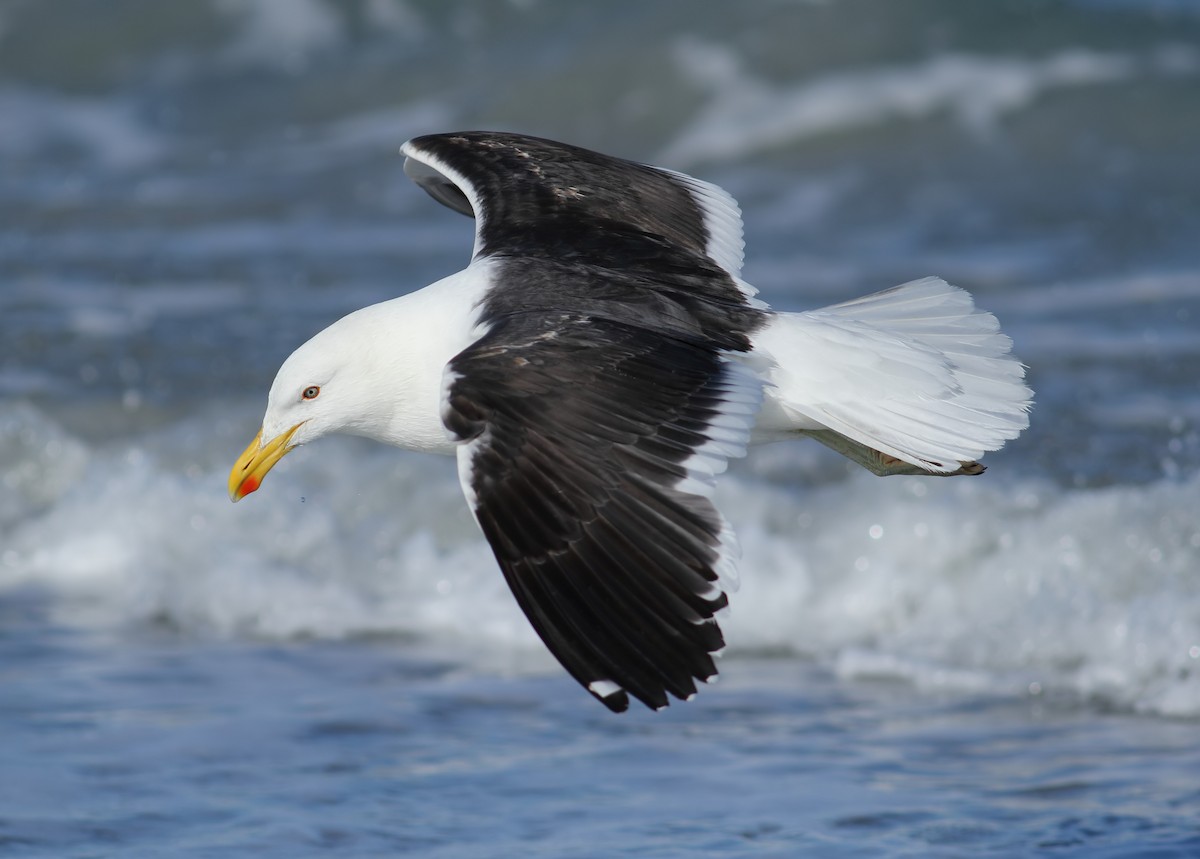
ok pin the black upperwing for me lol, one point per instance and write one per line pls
(536, 197)
(601, 401)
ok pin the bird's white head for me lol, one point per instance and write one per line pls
(328, 385)
(375, 373)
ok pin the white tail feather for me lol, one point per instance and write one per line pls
(915, 372)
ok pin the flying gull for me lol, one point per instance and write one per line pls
(594, 368)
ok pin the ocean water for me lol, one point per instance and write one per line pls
(1007, 665)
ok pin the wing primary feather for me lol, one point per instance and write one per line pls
(593, 445)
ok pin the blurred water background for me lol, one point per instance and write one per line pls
(1006, 665)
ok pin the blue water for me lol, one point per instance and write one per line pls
(1007, 665)
(170, 747)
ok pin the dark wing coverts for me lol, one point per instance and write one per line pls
(544, 198)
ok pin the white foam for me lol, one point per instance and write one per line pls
(144, 534)
(745, 114)
(981, 584)
(38, 462)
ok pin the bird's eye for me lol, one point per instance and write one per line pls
(310, 393)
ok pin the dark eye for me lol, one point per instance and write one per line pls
(310, 393)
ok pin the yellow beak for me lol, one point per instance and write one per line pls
(256, 460)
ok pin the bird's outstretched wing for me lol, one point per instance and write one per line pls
(537, 197)
(589, 452)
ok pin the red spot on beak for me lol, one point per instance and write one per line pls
(250, 484)
(256, 460)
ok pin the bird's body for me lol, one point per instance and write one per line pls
(594, 368)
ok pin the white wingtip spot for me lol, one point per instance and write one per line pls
(604, 688)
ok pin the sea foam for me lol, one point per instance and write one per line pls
(1013, 586)
(745, 114)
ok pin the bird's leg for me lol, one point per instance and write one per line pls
(881, 463)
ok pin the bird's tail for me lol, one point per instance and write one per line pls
(914, 379)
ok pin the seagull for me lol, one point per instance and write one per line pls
(595, 367)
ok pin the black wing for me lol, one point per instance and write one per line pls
(536, 197)
(591, 446)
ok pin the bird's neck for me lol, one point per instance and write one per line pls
(418, 334)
